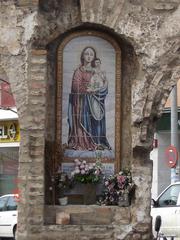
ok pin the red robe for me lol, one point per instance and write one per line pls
(79, 137)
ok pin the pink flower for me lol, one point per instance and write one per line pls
(121, 179)
(111, 186)
(83, 172)
(81, 166)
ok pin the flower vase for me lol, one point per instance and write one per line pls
(124, 200)
(89, 194)
(63, 201)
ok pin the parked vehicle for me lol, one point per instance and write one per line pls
(167, 206)
(159, 235)
(8, 215)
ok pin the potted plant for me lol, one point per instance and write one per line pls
(62, 183)
(117, 189)
(87, 175)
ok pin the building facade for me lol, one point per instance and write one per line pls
(161, 168)
(42, 44)
(9, 141)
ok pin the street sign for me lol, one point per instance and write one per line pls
(171, 156)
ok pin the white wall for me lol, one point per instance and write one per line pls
(154, 157)
(161, 170)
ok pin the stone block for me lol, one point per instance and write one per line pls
(165, 6)
(29, 3)
(76, 209)
(62, 218)
(142, 227)
(122, 216)
(136, 236)
(36, 85)
(83, 218)
(39, 74)
(35, 220)
(38, 52)
(37, 93)
(103, 215)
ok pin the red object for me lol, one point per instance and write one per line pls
(171, 156)
(155, 143)
(16, 193)
(7, 99)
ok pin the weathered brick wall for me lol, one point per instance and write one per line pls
(149, 33)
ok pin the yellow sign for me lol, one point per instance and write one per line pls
(9, 131)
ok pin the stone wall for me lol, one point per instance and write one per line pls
(149, 34)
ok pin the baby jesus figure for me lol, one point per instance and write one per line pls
(98, 80)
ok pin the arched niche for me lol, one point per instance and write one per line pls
(125, 70)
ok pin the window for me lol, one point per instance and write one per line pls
(3, 201)
(11, 204)
(170, 196)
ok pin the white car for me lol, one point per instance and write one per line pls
(167, 205)
(8, 215)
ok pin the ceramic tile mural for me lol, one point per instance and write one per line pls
(88, 100)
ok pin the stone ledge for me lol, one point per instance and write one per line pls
(165, 6)
(89, 214)
(76, 228)
(74, 232)
(28, 3)
(38, 52)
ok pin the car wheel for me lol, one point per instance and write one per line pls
(15, 233)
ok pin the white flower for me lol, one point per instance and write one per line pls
(106, 183)
(84, 162)
(72, 173)
(82, 172)
(90, 166)
(59, 169)
(97, 172)
(77, 162)
(77, 171)
(86, 168)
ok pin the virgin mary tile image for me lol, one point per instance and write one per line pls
(87, 98)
